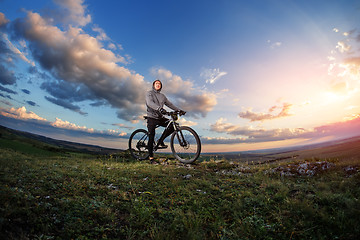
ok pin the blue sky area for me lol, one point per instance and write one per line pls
(250, 74)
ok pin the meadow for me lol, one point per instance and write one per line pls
(51, 193)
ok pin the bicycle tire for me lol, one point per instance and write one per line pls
(138, 144)
(191, 151)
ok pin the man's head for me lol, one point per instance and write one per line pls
(157, 85)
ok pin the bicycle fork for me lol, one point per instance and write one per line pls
(183, 143)
(141, 143)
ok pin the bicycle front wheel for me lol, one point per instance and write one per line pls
(185, 145)
(138, 144)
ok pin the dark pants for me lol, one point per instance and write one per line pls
(152, 123)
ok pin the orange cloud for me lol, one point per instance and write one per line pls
(247, 134)
(67, 125)
(21, 113)
(284, 112)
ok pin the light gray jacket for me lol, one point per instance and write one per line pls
(155, 101)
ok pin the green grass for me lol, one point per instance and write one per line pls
(14, 141)
(78, 196)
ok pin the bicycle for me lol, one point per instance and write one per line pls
(184, 142)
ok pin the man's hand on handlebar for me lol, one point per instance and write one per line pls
(181, 112)
(163, 111)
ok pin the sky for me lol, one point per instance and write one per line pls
(250, 74)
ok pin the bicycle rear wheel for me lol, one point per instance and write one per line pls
(138, 144)
(185, 145)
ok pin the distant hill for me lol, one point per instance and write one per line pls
(9, 136)
(342, 149)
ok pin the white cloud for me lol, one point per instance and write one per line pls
(343, 46)
(112, 46)
(191, 99)
(185, 122)
(211, 75)
(274, 44)
(16, 50)
(73, 12)
(21, 113)
(67, 125)
(101, 34)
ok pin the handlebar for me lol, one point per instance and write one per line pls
(177, 112)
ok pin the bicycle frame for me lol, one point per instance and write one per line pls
(176, 126)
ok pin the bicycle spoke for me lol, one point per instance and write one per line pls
(186, 145)
(138, 143)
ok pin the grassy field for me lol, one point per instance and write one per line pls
(47, 193)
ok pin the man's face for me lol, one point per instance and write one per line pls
(157, 85)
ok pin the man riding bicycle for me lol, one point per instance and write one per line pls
(155, 102)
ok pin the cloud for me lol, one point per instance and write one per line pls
(274, 44)
(195, 101)
(343, 47)
(212, 75)
(67, 125)
(16, 51)
(21, 113)
(4, 89)
(98, 104)
(102, 35)
(76, 58)
(246, 134)
(8, 52)
(7, 77)
(185, 122)
(25, 91)
(4, 50)
(31, 103)
(72, 12)
(82, 69)
(67, 91)
(353, 61)
(121, 125)
(342, 129)
(284, 112)
(65, 104)
(3, 20)
(222, 140)
(5, 96)
(351, 69)
(4, 101)
(29, 121)
(345, 64)
(249, 134)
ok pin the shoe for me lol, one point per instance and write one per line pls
(162, 145)
(152, 161)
